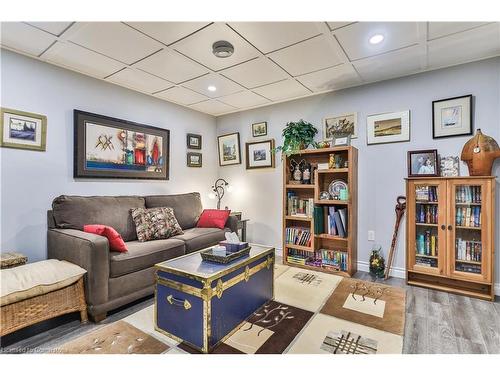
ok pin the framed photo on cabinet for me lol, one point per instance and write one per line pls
(108, 147)
(423, 163)
(452, 117)
(260, 154)
(229, 149)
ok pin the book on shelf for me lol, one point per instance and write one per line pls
(468, 250)
(426, 193)
(334, 258)
(468, 216)
(427, 244)
(299, 207)
(298, 236)
(468, 194)
(427, 214)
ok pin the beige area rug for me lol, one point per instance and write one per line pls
(329, 335)
(116, 338)
(303, 288)
(374, 305)
(279, 269)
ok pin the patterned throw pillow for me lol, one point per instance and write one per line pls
(155, 223)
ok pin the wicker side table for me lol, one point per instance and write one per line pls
(9, 260)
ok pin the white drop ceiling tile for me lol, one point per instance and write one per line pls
(81, 59)
(172, 66)
(270, 36)
(440, 29)
(168, 32)
(338, 25)
(199, 47)
(223, 85)
(212, 107)
(139, 80)
(314, 54)
(24, 38)
(257, 72)
(392, 64)
(481, 42)
(282, 90)
(181, 95)
(244, 99)
(335, 78)
(113, 39)
(355, 38)
(55, 28)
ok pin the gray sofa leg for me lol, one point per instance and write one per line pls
(98, 317)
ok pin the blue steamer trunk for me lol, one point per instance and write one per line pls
(202, 303)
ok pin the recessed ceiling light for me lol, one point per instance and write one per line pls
(222, 49)
(376, 39)
(211, 88)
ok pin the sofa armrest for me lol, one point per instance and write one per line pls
(88, 251)
(232, 223)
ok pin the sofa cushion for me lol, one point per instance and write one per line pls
(187, 207)
(155, 223)
(73, 212)
(199, 238)
(34, 279)
(143, 255)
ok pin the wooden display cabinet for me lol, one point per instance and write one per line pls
(450, 234)
(321, 179)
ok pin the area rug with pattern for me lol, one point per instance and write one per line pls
(312, 312)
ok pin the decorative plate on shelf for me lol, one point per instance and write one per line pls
(335, 187)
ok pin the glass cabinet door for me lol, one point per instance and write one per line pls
(426, 229)
(467, 229)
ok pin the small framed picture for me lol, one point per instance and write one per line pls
(423, 163)
(340, 126)
(23, 130)
(194, 159)
(388, 127)
(341, 141)
(259, 129)
(450, 166)
(194, 141)
(452, 117)
(260, 154)
(229, 149)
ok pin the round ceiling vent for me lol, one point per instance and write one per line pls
(222, 49)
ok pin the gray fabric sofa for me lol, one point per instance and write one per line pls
(114, 279)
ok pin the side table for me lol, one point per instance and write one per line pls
(12, 259)
(242, 225)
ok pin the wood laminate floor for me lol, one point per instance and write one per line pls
(436, 322)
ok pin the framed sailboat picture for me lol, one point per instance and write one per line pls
(107, 147)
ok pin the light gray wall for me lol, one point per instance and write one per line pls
(382, 168)
(30, 180)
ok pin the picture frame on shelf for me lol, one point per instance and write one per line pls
(260, 154)
(23, 130)
(194, 159)
(341, 140)
(229, 149)
(339, 126)
(108, 147)
(452, 117)
(388, 127)
(193, 141)
(449, 166)
(259, 129)
(423, 163)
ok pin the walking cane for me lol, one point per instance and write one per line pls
(400, 211)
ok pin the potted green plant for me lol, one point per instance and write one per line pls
(297, 136)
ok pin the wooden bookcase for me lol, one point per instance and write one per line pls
(450, 234)
(322, 178)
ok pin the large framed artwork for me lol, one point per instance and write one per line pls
(452, 117)
(107, 147)
(388, 127)
(260, 154)
(23, 130)
(229, 149)
(341, 126)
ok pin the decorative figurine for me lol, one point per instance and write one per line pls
(377, 263)
(306, 173)
(479, 153)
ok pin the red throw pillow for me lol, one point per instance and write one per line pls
(213, 219)
(116, 242)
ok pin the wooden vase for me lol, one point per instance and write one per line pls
(479, 153)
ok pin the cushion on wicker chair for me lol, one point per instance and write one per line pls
(34, 279)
